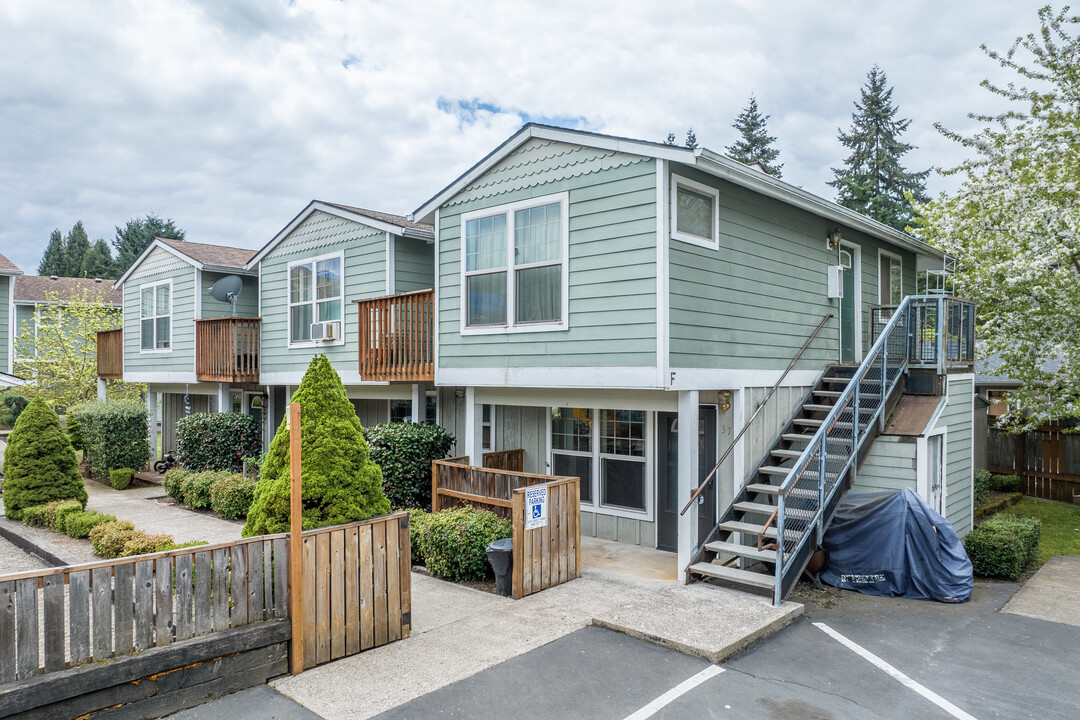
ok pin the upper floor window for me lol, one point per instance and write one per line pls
(515, 274)
(156, 317)
(695, 212)
(316, 295)
(890, 280)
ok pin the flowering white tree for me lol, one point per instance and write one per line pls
(1014, 224)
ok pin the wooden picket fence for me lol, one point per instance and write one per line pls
(1047, 461)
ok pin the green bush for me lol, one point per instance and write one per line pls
(453, 542)
(141, 543)
(1003, 546)
(196, 489)
(231, 495)
(982, 486)
(58, 519)
(11, 406)
(173, 482)
(74, 432)
(404, 451)
(114, 435)
(108, 539)
(34, 515)
(1005, 483)
(180, 546)
(340, 482)
(417, 520)
(120, 478)
(79, 524)
(217, 441)
(39, 464)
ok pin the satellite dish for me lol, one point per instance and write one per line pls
(227, 289)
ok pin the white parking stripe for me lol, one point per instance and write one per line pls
(675, 692)
(896, 674)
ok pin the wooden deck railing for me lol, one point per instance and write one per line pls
(227, 349)
(110, 354)
(453, 484)
(396, 337)
(504, 460)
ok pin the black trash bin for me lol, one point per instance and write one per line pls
(501, 556)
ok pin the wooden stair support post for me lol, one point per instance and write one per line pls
(296, 611)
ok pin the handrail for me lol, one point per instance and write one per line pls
(701, 488)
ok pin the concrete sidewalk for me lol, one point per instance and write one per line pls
(1052, 593)
(160, 516)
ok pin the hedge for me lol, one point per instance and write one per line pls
(39, 464)
(114, 435)
(108, 538)
(1005, 483)
(982, 487)
(120, 478)
(231, 495)
(196, 489)
(1003, 546)
(404, 451)
(217, 441)
(454, 542)
(417, 520)
(79, 525)
(173, 483)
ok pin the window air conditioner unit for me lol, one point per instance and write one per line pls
(326, 330)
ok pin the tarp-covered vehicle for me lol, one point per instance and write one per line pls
(894, 544)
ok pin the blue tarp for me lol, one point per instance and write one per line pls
(894, 544)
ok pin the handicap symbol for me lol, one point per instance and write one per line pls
(536, 511)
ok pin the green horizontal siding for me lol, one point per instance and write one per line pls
(414, 265)
(957, 420)
(612, 260)
(161, 265)
(364, 250)
(247, 303)
(890, 465)
(5, 322)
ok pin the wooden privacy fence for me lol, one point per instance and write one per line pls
(74, 615)
(357, 590)
(544, 556)
(1047, 461)
(504, 460)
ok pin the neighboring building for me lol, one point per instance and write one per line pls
(8, 272)
(40, 299)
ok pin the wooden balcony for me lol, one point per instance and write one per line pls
(397, 337)
(110, 354)
(227, 349)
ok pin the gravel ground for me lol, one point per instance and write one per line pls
(14, 559)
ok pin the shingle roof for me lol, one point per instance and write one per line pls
(211, 254)
(384, 217)
(7, 265)
(36, 288)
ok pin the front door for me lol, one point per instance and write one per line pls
(667, 477)
(934, 461)
(255, 408)
(847, 308)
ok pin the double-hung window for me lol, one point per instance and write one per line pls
(890, 279)
(316, 295)
(571, 446)
(622, 459)
(695, 212)
(155, 313)
(515, 271)
(607, 449)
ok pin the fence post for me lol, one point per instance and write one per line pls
(517, 520)
(296, 611)
(434, 486)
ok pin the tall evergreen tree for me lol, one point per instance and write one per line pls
(690, 142)
(76, 245)
(52, 260)
(98, 261)
(872, 180)
(755, 143)
(137, 234)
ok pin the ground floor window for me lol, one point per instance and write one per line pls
(401, 410)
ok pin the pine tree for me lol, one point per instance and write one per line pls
(872, 180)
(52, 260)
(76, 245)
(340, 482)
(755, 143)
(690, 142)
(39, 464)
(137, 234)
(98, 262)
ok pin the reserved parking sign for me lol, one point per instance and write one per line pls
(536, 507)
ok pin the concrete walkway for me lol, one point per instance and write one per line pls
(1052, 593)
(159, 516)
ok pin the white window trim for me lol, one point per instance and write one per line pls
(900, 261)
(710, 243)
(490, 447)
(511, 326)
(314, 301)
(172, 324)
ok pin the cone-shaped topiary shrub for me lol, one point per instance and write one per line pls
(39, 464)
(340, 483)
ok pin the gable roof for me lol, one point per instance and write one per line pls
(220, 258)
(8, 268)
(36, 289)
(387, 222)
(705, 160)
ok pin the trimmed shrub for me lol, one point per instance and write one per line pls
(11, 406)
(173, 481)
(453, 542)
(196, 489)
(217, 441)
(417, 520)
(1003, 546)
(982, 486)
(180, 546)
(61, 514)
(141, 543)
(1005, 483)
(231, 495)
(74, 431)
(39, 464)
(404, 451)
(120, 478)
(108, 539)
(341, 483)
(114, 435)
(51, 510)
(34, 516)
(1000, 504)
(79, 524)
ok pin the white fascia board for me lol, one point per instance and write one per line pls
(150, 248)
(293, 377)
(721, 379)
(654, 400)
(552, 377)
(544, 132)
(162, 377)
(724, 167)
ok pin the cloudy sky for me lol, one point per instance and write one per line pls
(229, 116)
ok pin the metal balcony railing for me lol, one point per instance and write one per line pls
(941, 345)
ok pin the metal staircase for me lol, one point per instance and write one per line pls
(764, 539)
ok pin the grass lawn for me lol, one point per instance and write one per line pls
(1060, 526)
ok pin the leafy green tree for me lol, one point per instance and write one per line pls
(136, 236)
(52, 260)
(340, 482)
(39, 464)
(98, 262)
(872, 181)
(76, 245)
(1014, 223)
(755, 143)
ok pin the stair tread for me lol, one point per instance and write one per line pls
(807, 421)
(781, 452)
(748, 551)
(756, 529)
(747, 506)
(829, 393)
(774, 470)
(731, 574)
(775, 490)
(815, 407)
